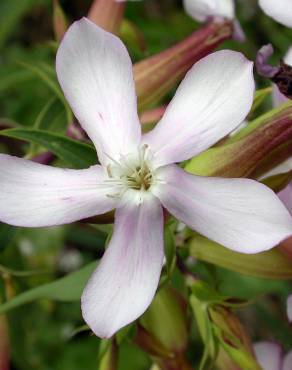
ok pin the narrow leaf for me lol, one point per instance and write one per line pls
(74, 153)
(66, 289)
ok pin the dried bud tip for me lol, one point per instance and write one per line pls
(283, 79)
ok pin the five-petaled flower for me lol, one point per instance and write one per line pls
(137, 175)
(202, 10)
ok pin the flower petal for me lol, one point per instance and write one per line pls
(240, 214)
(95, 72)
(289, 308)
(212, 100)
(269, 355)
(201, 10)
(286, 196)
(124, 283)
(35, 195)
(287, 363)
(279, 10)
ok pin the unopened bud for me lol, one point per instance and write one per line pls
(281, 76)
(156, 75)
(60, 21)
(107, 14)
(163, 330)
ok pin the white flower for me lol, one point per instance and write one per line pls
(137, 175)
(201, 10)
(270, 356)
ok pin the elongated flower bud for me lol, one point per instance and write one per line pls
(163, 331)
(59, 21)
(107, 14)
(241, 154)
(156, 75)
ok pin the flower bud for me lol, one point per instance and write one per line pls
(156, 75)
(107, 14)
(163, 330)
(59, 21)
(166, 320)
(242, 153)
(270, 264)
(236, 348)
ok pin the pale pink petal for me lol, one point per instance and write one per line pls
(240, 214)
(202, 10)
(280, 10)
(124, 283)
(278, 97)
(212, 100)
(287, 363)
(35, 195)
(269, 355)
(286, 197)
(289, 308)
(95, 72)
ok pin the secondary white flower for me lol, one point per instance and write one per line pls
(201, 10)
(137, 175)
(270, 356)
(280, 10)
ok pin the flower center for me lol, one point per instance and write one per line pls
(139, 179)
(132, 171)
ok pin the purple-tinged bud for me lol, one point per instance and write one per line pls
(281, 76)
(107, 14)
(156, 75)
(263, 67)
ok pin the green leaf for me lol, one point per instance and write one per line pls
(270, 264)
(259, 98)
(10, 13)
(74, 153)
(66, 289)
(47, 74)
(200, 311)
